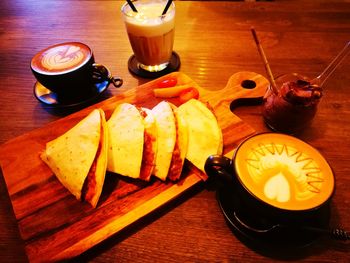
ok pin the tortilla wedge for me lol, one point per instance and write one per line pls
(204, 133)
(78, 158)
(181, 145)
(126, 139)
(149, 145)
(93, 186)
(166, 138)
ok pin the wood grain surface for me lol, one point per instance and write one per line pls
(54, 225)
(214, 41)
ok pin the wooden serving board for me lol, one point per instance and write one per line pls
(54, 225)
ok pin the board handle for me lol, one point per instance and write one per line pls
(242, 88)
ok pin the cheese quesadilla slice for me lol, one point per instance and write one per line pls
(204, 133)
(181, 144)
(93, 185)
(166, 138)
(78, 157)
(126, 139)
(149, 145)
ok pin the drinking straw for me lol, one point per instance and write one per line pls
(266, 63)
(167, 7)
(132, 5)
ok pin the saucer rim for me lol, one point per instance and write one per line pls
(101, 87)
(260, 243)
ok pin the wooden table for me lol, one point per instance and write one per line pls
(214, 41)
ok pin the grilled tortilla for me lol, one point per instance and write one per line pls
(166, 138)
(126, 139)
(180, 148)
(78, 158)
(149, 145)
(204, 133)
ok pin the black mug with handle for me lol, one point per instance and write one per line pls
(70, 72)
(280, 181)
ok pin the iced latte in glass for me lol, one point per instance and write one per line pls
(151, 34)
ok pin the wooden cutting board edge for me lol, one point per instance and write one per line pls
(119, 223)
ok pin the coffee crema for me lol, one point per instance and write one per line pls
(61, 58)
(284, 172)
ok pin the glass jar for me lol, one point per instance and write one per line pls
(292, 107)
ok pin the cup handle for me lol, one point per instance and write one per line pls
(101, 72)
(219, 166)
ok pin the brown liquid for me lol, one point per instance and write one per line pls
(154, 50)
(61, 58)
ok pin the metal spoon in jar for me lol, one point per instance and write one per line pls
(320, 80)
(303, 90)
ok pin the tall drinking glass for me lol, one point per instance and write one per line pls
(151, 34)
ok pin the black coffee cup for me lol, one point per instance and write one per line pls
(279, 180)
(69, 70)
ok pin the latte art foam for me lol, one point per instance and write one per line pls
(61, 58)
(280, 171)
(284, 172)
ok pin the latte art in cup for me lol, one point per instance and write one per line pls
(61, 58)
(69, 73)
(284, 172)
